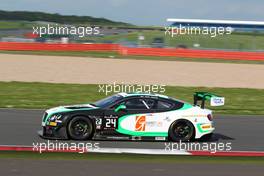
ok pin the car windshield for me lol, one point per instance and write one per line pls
(107, 101)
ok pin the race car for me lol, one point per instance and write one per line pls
(133, 116)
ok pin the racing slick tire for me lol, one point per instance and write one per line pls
(80, 128)
(181, 130)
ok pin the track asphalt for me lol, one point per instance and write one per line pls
(245, 133)
(26, 167)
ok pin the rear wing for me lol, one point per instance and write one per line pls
(215, 100)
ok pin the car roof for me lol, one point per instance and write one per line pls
(140, 94)
(148, 95)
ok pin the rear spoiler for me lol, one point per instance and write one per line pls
(215, 100)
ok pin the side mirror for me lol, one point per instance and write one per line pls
(120, 107)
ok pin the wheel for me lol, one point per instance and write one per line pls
(181, 130)
(80, 128)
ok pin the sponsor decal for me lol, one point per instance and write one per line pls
(159, 124)
(159, 138)
(154, 124)
(167, 119)
(217, 101)
(203, 128)
(206, 126)
(136, 138)
(98, 123)
(53, 124)
(111, 117)
(140, 123)
(117, 137)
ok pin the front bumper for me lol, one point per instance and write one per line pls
(49, 132)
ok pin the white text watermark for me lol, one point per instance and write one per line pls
(80, 31)
(174, 31)
(116, 88)
(212, 147)
(80, 147)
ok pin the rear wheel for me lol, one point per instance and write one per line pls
(181, 130)
(80, 128)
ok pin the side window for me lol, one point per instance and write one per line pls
(163, 105)
(178, 105)
(150, 103)
(135, 103)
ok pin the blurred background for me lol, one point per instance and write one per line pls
(17, 26)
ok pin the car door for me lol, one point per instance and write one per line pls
(133, 106)
(146, 122)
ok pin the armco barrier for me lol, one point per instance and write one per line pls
(161, 52)
(190, 53)
(15, 46)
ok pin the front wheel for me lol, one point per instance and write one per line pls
(80, 128)
(182, 130)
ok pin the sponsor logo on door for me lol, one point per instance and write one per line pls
(140, 123)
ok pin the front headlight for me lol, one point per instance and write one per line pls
(55, 117)
(54, 120)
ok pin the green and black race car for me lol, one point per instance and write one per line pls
(132, 116)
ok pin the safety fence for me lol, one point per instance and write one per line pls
(160, 52)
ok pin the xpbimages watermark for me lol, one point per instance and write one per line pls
(212, 147)
(116, 88)
(80, 31)
(80, 147)
(174, 31)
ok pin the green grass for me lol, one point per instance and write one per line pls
(237, 41)
(46, 95)
(113, 55)
(134, 158)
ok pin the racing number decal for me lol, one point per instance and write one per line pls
(140, 123)
(110, 123)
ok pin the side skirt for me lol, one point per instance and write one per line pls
(128, 138)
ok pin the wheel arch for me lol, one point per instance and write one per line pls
(72, 116)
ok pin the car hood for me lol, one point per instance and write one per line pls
(70, 108)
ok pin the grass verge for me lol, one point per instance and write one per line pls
(113, 55)
(237, 41)
(133, 158)
(46, 95)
